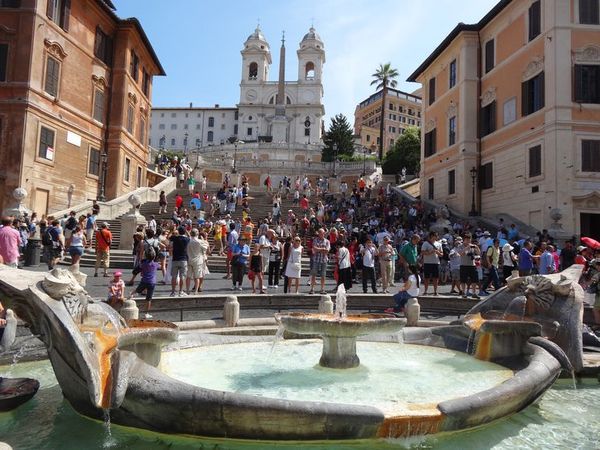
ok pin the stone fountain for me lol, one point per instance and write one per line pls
(105, 364)
(339, 331)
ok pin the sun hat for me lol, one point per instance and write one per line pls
(507, 247)
(118, 274)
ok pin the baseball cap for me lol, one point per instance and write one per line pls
(581, 248)
(118, 274)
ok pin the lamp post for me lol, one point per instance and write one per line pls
(235, 145)
(185, 142)
(473, 173)
(102, 194)
(335, 152)
(364, 171)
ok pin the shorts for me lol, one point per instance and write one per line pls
(162, 255)
(178, 268)
(148, 287)
(75, 251)
(318, 269)
(455, 273)
(468, 274)
(431, 271)
(67, 233)
(197, 270)
(102, 258)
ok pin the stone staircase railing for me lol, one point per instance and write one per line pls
(114, 208)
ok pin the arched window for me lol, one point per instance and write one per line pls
(210, 136)
(253, 71)
(309, 71)
(211, 121)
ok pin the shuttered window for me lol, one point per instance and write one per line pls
(59, 12)
(431, 91)
(46, 141)
(589, 12)
(94, 162)
(103, 46)
(99, 105)
(130, 119)
(587, 84)
(452, 131)
(142, 131)
(535, 161)
(3, 61)
(590, 155)
(532, 92)
(488, 119)
(127, 169)
(486, 176)
(489, 55)
(452, 74)
(52, 76)
(535, 20)
(429, 145)
(430, 188)
(452, 182)
(134, 62)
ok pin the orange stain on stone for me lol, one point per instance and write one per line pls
(484, 347)
(424, 421)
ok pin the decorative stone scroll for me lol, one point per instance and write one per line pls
(430, 125)
(55, 49)
(132, 98)
(533, 68)
(452, 110)
(588, 54)
(99, 82)
(488, 96)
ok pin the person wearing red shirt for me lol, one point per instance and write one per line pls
(304, 203)
(178, 202)
(103, 241)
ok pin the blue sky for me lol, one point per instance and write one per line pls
(199, 42)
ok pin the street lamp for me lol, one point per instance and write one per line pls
(235, 144)
(102, 194)
(335, 152)
(185, 142)
(473, 173)
(364, 172)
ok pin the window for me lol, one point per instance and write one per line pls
(211, 121)
(173, 126)
(368, 138)
(452, 74)
(129, 124)
(3, 61)
(172, 142)
(186, 115)
(94, 162)
(46, 147)
(185, 126)
(587, 84)
(486, 176)
(452, 131)
(391, 106)
(431, 93)
(430, 187)
(210, 136)
(307, 132)
(535, 20)
(10, 3)
(489, 55)
(590, 155)
(145, 82)
(249, 131)
(429, 146)
(173, 115)
(309, 71)
(103, 47)
(510, 111)
(253, 71)
(134, 62)
(161, 126)
(589, 12)
(235, 129)
(52, 76)
(535, 161)
(235, 115)
(452, 182)
(488, 119)
(138, 178)
(197, 126)
(99, 105)
(532, 94)
(142, 131)
(126, 169)
(198, 142)
(222, 126)
(59, 12)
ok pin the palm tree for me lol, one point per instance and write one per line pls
(383, 78)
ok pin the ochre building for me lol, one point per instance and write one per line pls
(75, 99)
(515, 99)
(403, 110)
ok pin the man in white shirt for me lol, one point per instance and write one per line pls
(368, 252)
(264, 244)
(431, 251)
(152, 223)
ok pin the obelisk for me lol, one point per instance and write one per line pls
(279, 124)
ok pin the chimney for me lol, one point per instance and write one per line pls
(191, 104)
(216, 105)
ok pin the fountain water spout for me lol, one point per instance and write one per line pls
(340, 303)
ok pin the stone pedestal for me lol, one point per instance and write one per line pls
(10, 331)
(412, 311)
(18, 209)
(339, 352)
(325, 304)
(129, 224)
(279, 127)
(78, 275)
(129, 310)
(231, 311)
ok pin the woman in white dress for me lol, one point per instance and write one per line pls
(293, 267)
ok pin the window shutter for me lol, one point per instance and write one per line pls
(3, 61)
(431, 91)
(535, 20)
(578, 85)
(489, 55)
(542, 87)
(524, 98)
(65, 15)
(50, 8)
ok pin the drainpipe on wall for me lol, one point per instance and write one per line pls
(104, 156)
(478, 150)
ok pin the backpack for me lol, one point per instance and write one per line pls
(47, 239)
(152, 250)
(71, 223)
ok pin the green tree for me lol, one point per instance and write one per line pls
(406, 152)
(339, 133)
(383, 78)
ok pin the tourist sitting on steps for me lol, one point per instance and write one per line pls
(116, 291)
